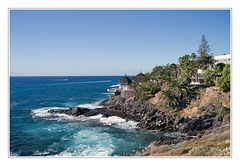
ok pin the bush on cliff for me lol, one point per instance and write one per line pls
(211, 75)
(178, 94)
(188, 65)
(145, 89)
(224, 80)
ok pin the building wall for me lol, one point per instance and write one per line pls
(226, 59)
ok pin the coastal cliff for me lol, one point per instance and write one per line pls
(213, 140)
(191, 97)
(212, 116)
(213, 108)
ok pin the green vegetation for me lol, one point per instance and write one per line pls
(224, 80)
(204, 48)
(188, 65)
(204, 51)
(145, 89)
(223, 115)
(210, 76)
(173, 80)
(177, 94)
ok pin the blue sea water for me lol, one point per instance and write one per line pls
(33, 133)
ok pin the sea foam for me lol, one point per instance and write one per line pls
(43, 112)
(91, 142)
(114, 121)
(91, 105)
(87, 151)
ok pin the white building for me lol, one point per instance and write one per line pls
(123, 85)
(199, 80)
(226, 59)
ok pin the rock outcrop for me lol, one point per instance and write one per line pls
(75, 111)
(214, 142)
(150, 117)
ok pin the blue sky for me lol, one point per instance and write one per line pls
(110, 42)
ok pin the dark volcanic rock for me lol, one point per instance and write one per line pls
(150, 117)
(76, 111)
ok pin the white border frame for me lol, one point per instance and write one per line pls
(115, 9)
(5, 4)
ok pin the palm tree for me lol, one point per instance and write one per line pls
(177, 94)
(169, 99)
(184, 92)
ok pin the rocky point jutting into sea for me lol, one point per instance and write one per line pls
(212, 107)
(186, 106)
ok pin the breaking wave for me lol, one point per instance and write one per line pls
(43, 113)
(108, 93)
(90, 106)
(90, 143)
(114, 121)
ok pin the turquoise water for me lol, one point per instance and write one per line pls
(35, 133)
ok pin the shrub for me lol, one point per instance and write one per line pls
(210, 76)
(224, 80)
(145, 89)
(223, 114)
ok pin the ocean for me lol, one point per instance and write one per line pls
(34, 132)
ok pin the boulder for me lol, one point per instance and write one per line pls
(76, 111)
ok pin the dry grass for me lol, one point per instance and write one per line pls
(213, 143)
(211, 95)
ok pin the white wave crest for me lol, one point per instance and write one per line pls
(91, 105)
(37, 153)
(90, 143)
(43, 113)
(88, 151)
(109, 121)
(108, 93)
(115, 121)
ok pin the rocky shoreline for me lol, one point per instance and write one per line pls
(148, 116)
(151, 118)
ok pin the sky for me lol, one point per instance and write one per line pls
(112, 42)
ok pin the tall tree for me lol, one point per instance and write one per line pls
(204, 48)
(205, 59)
